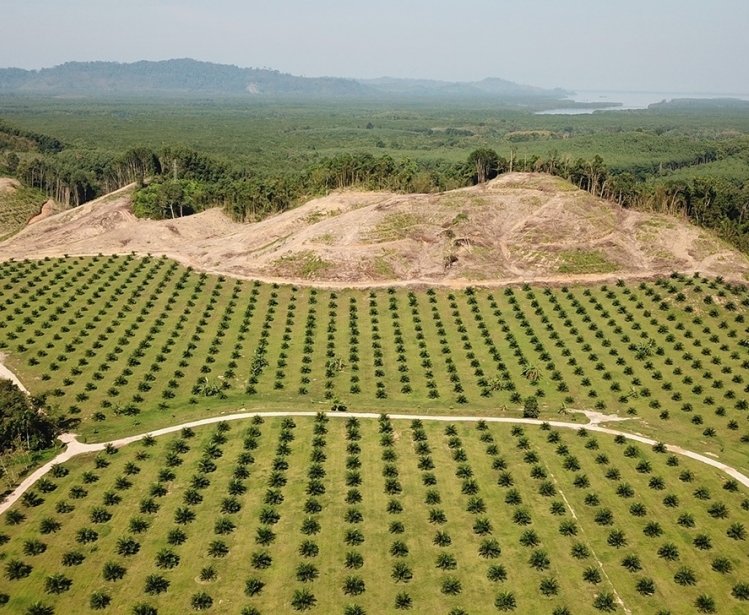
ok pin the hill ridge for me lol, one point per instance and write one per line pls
(187, 76)
(518, 228)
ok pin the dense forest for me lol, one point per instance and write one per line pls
(188, 77)
(177, 180)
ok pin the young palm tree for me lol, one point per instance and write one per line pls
(303, 600)
(99, 600)
(505, 601)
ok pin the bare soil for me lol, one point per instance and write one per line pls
(8, 183)
(516, 228)
(48, 209)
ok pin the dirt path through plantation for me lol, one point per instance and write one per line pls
(75, 448)
(6, 373)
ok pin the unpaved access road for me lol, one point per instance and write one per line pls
(75, 448)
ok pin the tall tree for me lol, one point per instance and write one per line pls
(485, 163)
(22, 422)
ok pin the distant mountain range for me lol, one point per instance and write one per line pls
(186, 77)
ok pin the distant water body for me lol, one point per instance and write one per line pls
(629, 100)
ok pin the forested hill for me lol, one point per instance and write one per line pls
(170, 77)
(186, 77)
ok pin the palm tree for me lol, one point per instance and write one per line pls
(253, 586)
(353, 586)
(16, 569)
(496, 573)
(489, 548)
(705, 604)
(156, 584)
(403, 601)
(306, 572)
(605, 602)
(451, 586)
(303, 600)
(201, 601)
(39, 608)
(539, 560)
(645, 586)
(505, 601)
(99, 600)
(549, 586)
(167, 559)
(112, 571)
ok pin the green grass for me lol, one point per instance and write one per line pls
(302, 265)
(466, 458)
(17, 207)
(124, 345)
(581, 261)
(395, 226)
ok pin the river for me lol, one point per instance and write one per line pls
(624, 101)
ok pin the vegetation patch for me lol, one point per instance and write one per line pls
(383, 268)
(327, 239)
(305, 264)
(17, 207)
(584, 261)
(394, 227)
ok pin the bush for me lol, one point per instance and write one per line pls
(530, 407)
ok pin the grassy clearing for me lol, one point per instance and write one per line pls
(582, 261)
(305, 264)
(395, 226)
(17, 207)
(123, 345)
(274, 515)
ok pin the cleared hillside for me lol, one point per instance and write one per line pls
(517, 228)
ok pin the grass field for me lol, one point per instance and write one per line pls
(362, 516)
(126, 344)
(17, 207)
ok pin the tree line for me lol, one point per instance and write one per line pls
(179, 181)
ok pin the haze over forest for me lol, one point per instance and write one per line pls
(668, 46)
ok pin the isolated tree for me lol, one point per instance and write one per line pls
(485, 164)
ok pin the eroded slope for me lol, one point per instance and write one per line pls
(519, 227)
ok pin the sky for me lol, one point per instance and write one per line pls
(690, 46)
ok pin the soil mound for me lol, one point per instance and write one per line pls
(516, 228)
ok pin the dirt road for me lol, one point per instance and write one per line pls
(75, 448)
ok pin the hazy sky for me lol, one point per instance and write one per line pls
(662, 45)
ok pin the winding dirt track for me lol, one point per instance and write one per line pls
(75, 448)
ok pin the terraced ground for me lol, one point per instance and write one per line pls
(362, 516)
